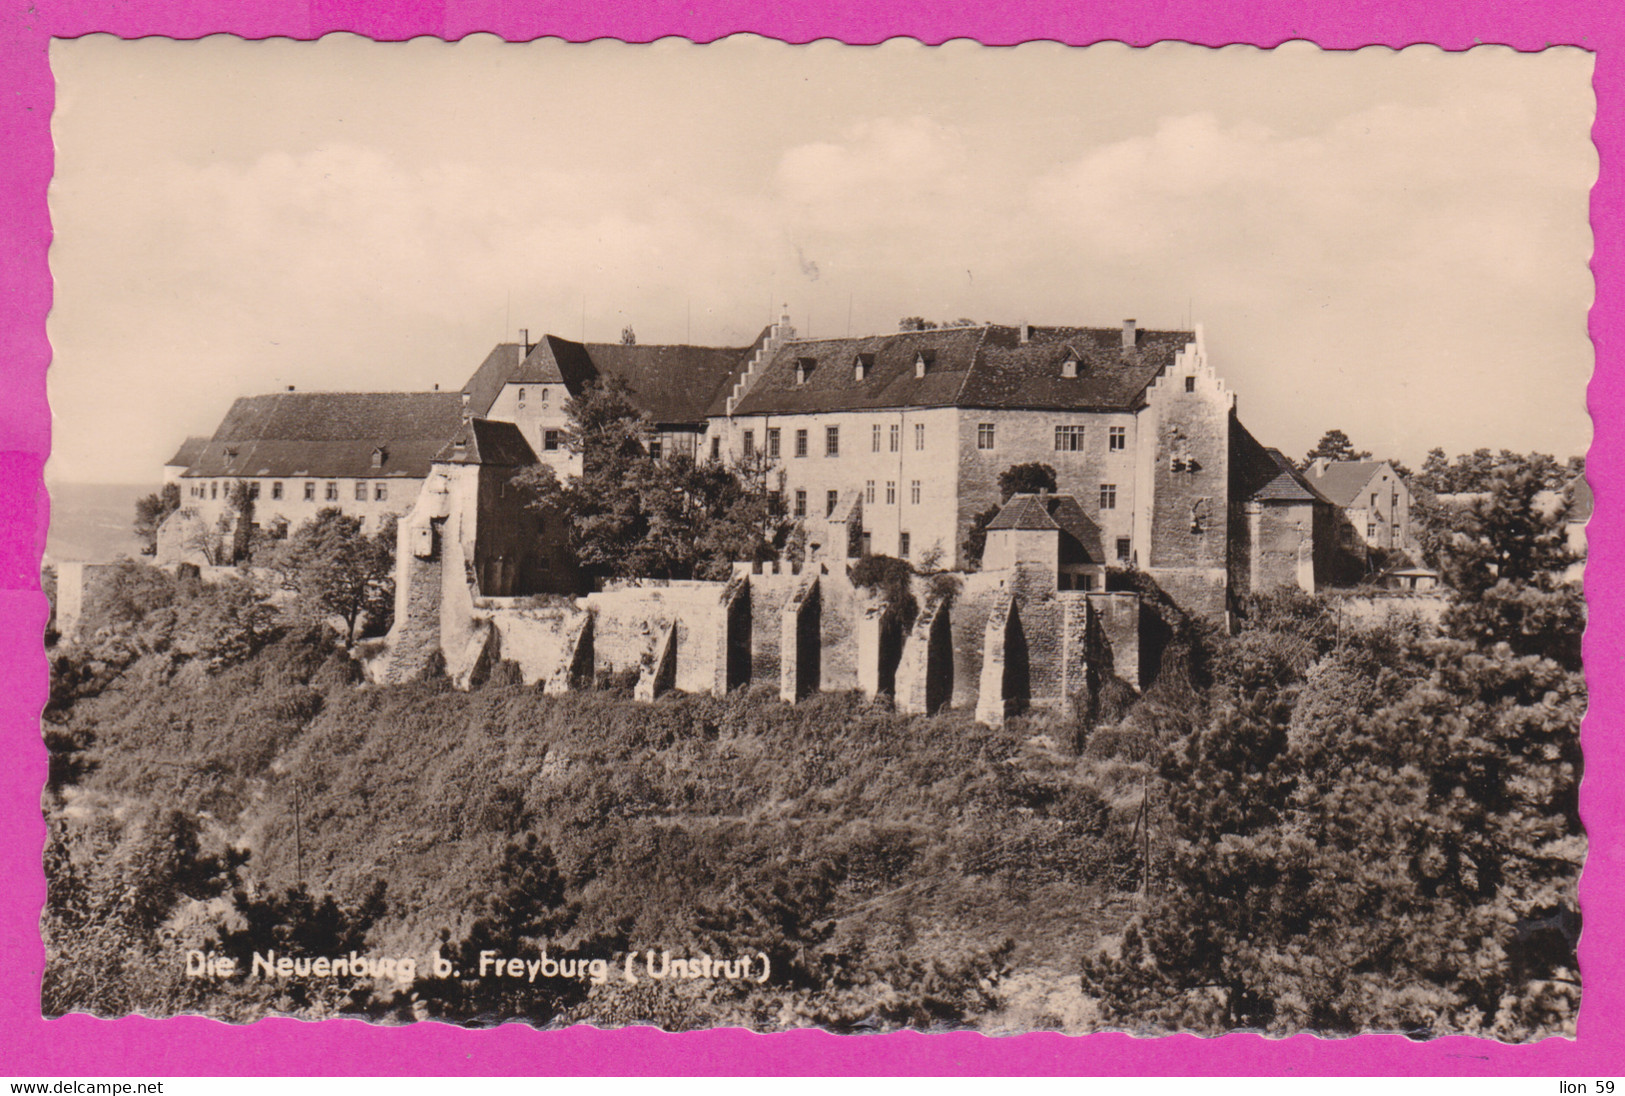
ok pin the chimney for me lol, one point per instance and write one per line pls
(524, 340)
(437, 388)
(290, 388)
(1026, 330)
(1129, 335)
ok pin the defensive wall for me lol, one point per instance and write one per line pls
(994, 642)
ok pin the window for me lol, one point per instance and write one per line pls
(919, 437)
(521, 395)
(378, 456)
(832, 441)
(656, 448)
(914, 492)
(380, 492)
(214, 489)
(1371, 530)
(832, 499)
(552, 440)
(310, 491)
(773, 442)
(544, 395)
(1190, 384)
(875, 438)
(801, 443)
(1395, 530)
(1117, 437)
(276, 490)
(984, 435)
(1069, 439)
(891, 492)
(361, 490)
(903, 545)
(1108, 496)
(332, 491)
(869, 492)
(801, 504)
(896, 437)
(864, 544)
(750, 443)
(1123, 549)
(1373, 500)
(253, 490)
(716, 447)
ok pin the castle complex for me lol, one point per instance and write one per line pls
(885, 445)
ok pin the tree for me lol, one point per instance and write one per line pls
(150, 512)
(915, 323)
(628, 336)
(1387, 840)
(238, 518)
(1508, 528)
(1334, 445)
(337, 570)
(630, 516)
(1019, 479)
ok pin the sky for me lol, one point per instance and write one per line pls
(1394, 244)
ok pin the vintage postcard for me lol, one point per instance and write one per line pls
(766, 536)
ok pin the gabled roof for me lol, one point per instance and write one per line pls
(1258, 474)
(330, 434)
(974, 367)
(1342, 481)
(482, 441)
(1024, 512)
(1080, 536)
(672, 384)
(191, 449)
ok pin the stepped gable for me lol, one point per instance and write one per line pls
(483, 441)
(1013, 375)
(972, 367)
(1342, 481)
(330, 434)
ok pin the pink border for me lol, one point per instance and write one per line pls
(134, 1046)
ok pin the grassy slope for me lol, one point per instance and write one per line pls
(944, 837)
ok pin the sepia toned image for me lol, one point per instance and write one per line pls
(766, 536)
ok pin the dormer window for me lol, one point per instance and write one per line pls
(861, 365)
(231, 450)
(804, 368)
(1069, 364)
(379, 455)
(922, 362)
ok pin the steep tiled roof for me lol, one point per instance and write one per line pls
(1025, 512)
(673, 384)
(979, 367)
(1053, 513)
(191, 449)
(1258, 474)
(486, 384)
(482, 441)
(1342, 481)
(333, 434)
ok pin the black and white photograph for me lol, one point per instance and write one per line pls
(748, 535)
